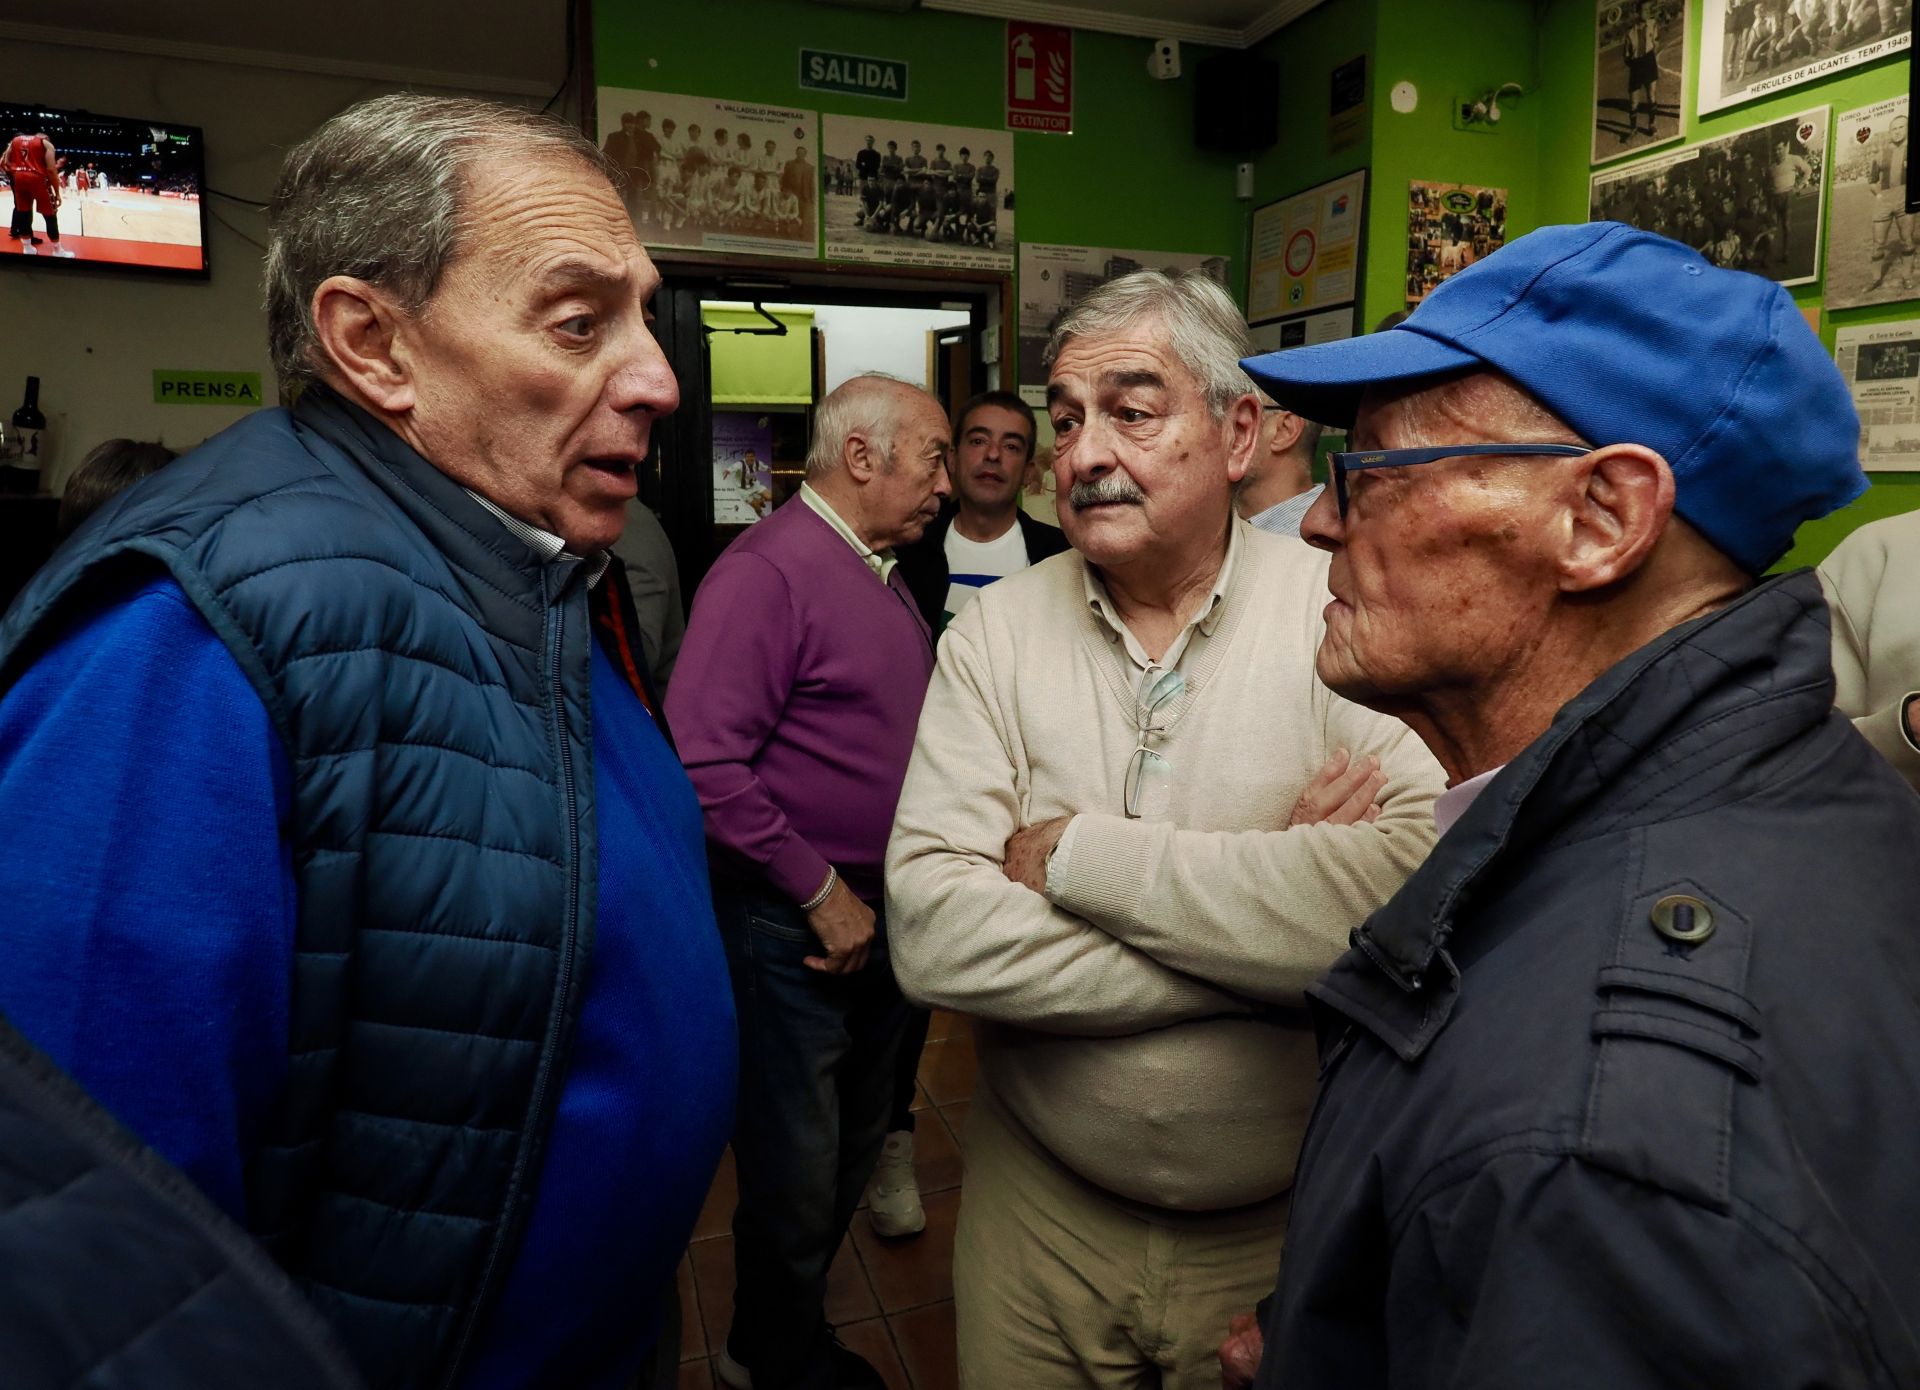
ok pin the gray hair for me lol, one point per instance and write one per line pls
(1201, 321)
(865, 405)
(376, 193)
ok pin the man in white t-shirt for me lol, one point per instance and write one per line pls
(983, 537)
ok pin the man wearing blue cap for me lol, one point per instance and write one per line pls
(1619, 1089)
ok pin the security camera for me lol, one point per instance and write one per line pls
(1163, 59)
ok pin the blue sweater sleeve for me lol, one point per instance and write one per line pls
(147, 940)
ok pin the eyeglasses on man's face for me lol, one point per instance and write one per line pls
(1340, 464)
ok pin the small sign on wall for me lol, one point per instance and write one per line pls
(824, 71)
(174, 387)
(1039, 77)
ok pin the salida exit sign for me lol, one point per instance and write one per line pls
(822, 71)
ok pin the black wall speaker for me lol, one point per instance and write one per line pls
(1236, 103)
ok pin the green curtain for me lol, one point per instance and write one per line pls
(760, 368)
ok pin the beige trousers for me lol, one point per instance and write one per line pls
(1059, 1285)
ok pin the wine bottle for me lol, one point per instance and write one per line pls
(22, 470)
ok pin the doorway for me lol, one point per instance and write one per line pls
(755, 352)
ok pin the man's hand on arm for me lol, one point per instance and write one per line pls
(1028, 850)
(844, 925)
(1344, 792)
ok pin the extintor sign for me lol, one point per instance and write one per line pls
(1039, 77)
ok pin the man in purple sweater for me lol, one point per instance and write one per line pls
(795, 703)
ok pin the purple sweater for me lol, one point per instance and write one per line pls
(795, 701)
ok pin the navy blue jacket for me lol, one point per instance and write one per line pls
(1557, 1145)
(428, 678)
(115, 1269)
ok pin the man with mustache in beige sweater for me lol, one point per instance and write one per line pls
(1134, 829)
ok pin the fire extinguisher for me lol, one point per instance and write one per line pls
(1023, 68)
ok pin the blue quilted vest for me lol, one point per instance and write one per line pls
(428, 677)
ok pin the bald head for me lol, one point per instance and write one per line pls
(879, 458)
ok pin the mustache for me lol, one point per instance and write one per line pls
(1115, 487)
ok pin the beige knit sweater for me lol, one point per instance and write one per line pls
(1873, 587)
(1147, 1029)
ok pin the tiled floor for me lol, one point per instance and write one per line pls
(892, 1300)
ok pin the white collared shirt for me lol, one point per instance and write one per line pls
(881, 562)
(545, 544)
(1453, 802)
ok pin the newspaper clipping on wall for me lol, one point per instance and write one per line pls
(1055, 278)
(1306, 250)
(1639, 75)
(1870, 246)
(1882, 366)
(707, 175)
(1753, 48)
(1746, 201)
(909, 193)
(1449, 227)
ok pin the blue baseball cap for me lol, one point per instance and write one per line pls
(1631, 339)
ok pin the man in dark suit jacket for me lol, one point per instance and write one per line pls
(974, 542)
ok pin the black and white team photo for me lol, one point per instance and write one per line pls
(914, 194)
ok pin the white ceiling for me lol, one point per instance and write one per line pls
(512, 47)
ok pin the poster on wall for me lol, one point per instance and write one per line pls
(1750, 48)
(1449, 227)
(1639, 75)
(1326, 326)
(1055, 278)
(1882, 366)
(1870, 247)
(707, 175)
(909, 193)
(742, 467)
(1746, 201)
(1305, 250)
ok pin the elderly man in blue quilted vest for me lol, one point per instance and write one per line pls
(373, 895)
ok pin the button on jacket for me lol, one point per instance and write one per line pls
(1623, 1088)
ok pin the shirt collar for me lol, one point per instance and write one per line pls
(545, 544)
(1204, 621)
(1452, 803)
(881, 562)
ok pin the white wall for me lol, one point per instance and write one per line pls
(894, 341)
(94, 338)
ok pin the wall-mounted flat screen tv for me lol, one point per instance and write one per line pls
(87, 190)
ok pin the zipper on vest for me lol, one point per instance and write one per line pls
(563, 987)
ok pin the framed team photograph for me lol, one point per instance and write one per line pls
(1870, 234)
(1753, 48)
(1449, 227)
(1746, 201)
(1640, 66)
(909, 193)
(709, 175)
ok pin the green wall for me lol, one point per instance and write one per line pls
(1128, 176)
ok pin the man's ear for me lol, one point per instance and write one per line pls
(861, 457)
(1621, 500)
(1286, 433)
(359, 332)
(1243, 435)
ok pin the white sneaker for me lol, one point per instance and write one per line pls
(893, 1198)
(731, 1373)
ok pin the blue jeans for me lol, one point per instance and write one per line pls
(818, 1056)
